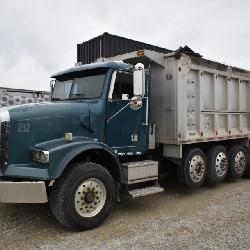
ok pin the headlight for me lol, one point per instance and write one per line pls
(40, 156)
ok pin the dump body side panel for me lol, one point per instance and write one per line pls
(215, 104)
(163, 101)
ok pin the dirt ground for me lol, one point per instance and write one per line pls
(209, 218)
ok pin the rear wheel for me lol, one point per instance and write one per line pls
(237, 161)
(193, 170)
(83, 197)
(247, 172)
(217, 164)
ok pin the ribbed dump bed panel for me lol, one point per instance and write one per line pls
(213, 104)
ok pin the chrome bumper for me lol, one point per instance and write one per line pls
(23, 192)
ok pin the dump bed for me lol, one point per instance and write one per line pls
(193, 99)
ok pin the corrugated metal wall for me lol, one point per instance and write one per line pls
(107, 45)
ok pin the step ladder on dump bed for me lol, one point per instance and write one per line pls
(142, 172)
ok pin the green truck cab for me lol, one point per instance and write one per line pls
(69, 149)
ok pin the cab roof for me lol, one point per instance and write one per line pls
(117, 65)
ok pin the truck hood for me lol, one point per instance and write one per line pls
(47, 109)
(32, 124)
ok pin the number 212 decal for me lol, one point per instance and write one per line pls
(23, 127)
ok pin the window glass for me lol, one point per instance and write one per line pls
(88, 87)
(62, 90)
(80, 85)
(123, 86)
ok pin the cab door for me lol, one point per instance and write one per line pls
(126, 125)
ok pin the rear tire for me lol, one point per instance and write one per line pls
(217, 164)
(83, 197)
(237, 161)
(192, 171)
(247, 172)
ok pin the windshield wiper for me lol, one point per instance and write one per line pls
(72, 97)
(77, 95)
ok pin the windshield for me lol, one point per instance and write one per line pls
(81, 87)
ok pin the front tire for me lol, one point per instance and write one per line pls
(192, 171)
(83, 197)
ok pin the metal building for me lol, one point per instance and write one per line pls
(107, 45)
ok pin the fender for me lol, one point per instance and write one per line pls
(62, 153)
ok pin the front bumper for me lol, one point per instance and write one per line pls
(23, 192)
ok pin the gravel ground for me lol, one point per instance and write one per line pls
(209, 218)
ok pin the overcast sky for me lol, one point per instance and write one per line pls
(39, 37)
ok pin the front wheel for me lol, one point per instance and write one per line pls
(83, 197)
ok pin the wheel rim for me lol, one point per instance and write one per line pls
(221, 164)
(90, 197)
(240, 162)
(197, 168)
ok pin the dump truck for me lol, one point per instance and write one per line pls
(115, 126)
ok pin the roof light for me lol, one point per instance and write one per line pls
(140, 53)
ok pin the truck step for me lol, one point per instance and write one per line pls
(145, 191)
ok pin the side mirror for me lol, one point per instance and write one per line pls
(139, 80)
